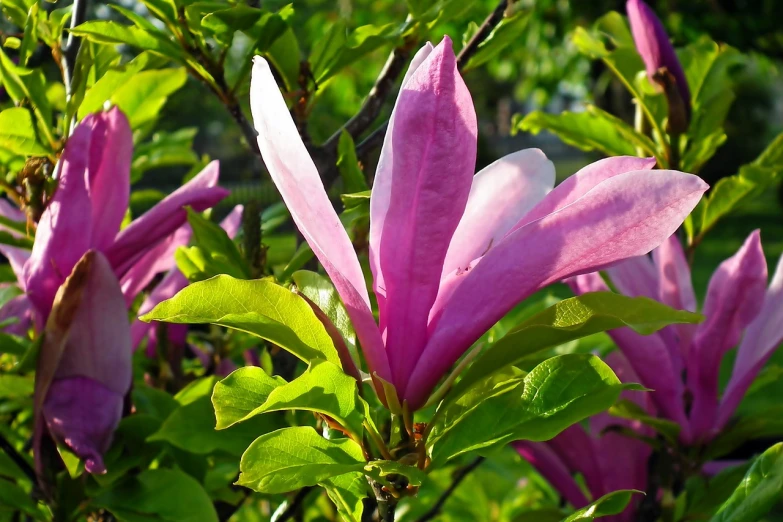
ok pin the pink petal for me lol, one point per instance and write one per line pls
(98, 343)
(163, 219)
(501, 194)
(576, 186)
(761, 339)
(734, 298)
(381, 190)
(573, 445)
(21, 309)
(553, 469)
(64, 230)
(82, 413)
(108, 173)
(434, 155)
(675, 287)
(625, 216)
(166, 289)
(297, 179)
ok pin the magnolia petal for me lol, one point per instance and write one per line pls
(381, 190)
(761, 339)
(501, 194)
(163, 219)
(573, 445)
(297, 179)
(64, 230)
(735, 296)
(172, 283)
(551, 467)
(625, 216)
(98, 344)
(654, 46)
(82, 413)
(434, 152)
(21, 309)
(675, 288)
(108, 173)
(576, 186)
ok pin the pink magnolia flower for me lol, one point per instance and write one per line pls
(84, 367)
(450, 252)
(607, 460)
(654, 46)
(737, 301)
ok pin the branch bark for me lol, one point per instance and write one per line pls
(71, 48)
(457, 479)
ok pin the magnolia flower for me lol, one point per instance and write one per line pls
(654, 46)
(594, 453)
(451, 253)
(88, 269)
(737, 301)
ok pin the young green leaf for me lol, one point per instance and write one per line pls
(509, 31)
(571, 319)
(221, 255)
(353, 177)
(258, 307)
(322, 388)
(759, 491)
(321, 291)
(17, 133)
(293, 458)
(613, 503)
(559, 392)
(236, 396)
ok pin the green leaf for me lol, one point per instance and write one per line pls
(142, 97)
(589, 130)
(362, 41)
(17, 133)
(380, 469)
(327, 48)
(30, 39)
(612, 504)
(159, 495)
(348, 492)
(322, 292)
(706, 494)
(322, 388)
(626, 409)
(28, 84)
(571, 319)
(759, 491)
(236, 396)
(143, 36)
(293, 458)
(16, 10)
(15, 386)
(165, 149)
(218, 252)
(353, 177)
(14, 498)
(259, 307)
(111, 81)
(509, 31)
(511, 406)
(191, 427)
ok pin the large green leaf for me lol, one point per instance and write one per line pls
(508, 32)
(612, 504)
(165, 149)
(159, 495)
(111, 81)
(139, 36)
(362, 41)
(592, 130)
(259, 307)
(17, 133)
(142, 97)
(213, 252)
(293, 458)
(236, 396)
(568, 320)
(758, 492)
(322, 388)
(511, 406)
(322, 292)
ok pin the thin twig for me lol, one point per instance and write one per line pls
(71, 48)
(295, 505)
(457, 479)
(18, 459)
(375, 139)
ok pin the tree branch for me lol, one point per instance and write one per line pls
(71, 48)
(375, 139)
(457, 479)
(295, 506)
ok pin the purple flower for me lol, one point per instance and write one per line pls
(450, 252)
(737, 306)
(75, 276)
(654, 46)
